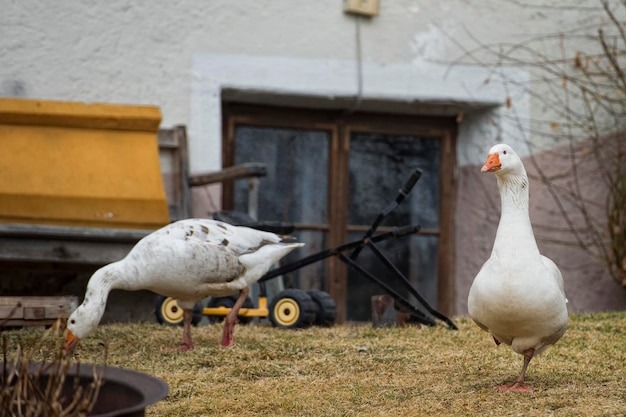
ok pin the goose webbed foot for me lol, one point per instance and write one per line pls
(518, 385)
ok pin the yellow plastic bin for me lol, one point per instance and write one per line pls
(77, 164)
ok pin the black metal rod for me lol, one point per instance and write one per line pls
(327, 253)
(402, 193)
(410, 287)
(398, 297)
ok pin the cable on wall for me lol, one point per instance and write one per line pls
(359, 67)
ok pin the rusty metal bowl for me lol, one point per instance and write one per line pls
(124, 393)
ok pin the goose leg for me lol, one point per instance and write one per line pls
(231, 318)
(519, 385)
(187, 342)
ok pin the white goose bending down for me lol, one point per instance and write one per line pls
(188, 260)
(518, 294)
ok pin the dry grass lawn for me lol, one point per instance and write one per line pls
(356, 370)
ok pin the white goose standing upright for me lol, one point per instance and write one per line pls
(518, 294)
(188, 260)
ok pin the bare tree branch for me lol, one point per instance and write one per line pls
(583, 93)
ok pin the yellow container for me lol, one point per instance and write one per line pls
(76, 164)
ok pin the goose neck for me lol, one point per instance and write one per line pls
(515, 229)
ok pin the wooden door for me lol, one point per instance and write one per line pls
(331, 174)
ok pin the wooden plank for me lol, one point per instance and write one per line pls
(35, 311)
(175, 171)
(446, 257)
(62, 302)
(11, 311)
(183, 171)
(65, 245)
(31, 323)
(61, 251)
(337, 279)
(228, 157)
(250, 169)
(68, 232)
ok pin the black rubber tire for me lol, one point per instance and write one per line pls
(168, 312)
(326, 311)
(292, 309)
(228, 302)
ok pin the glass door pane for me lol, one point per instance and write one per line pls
(295, 189)
(379, 165)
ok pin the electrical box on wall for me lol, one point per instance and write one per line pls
(362, 7)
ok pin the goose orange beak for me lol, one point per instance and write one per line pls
(493, 163)
(70, 341)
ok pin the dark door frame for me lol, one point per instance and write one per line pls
(339, 126)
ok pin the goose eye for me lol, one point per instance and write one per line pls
(73, 321)
(504, 152)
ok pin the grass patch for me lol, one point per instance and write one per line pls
(355, 370)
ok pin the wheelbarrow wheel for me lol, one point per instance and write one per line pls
(291, 309)
(326, 308)
(168, 312)
(228, 302)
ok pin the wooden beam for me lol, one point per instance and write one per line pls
(446, 258)
(35, 311)
(20, 243)
(250, 169)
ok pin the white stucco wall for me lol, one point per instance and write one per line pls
(178, 54)
(181, 55)
(408, 84)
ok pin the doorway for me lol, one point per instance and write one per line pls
(331, 173)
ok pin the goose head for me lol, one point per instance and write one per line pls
(81, 323)
(503, 160)
(84, 320)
